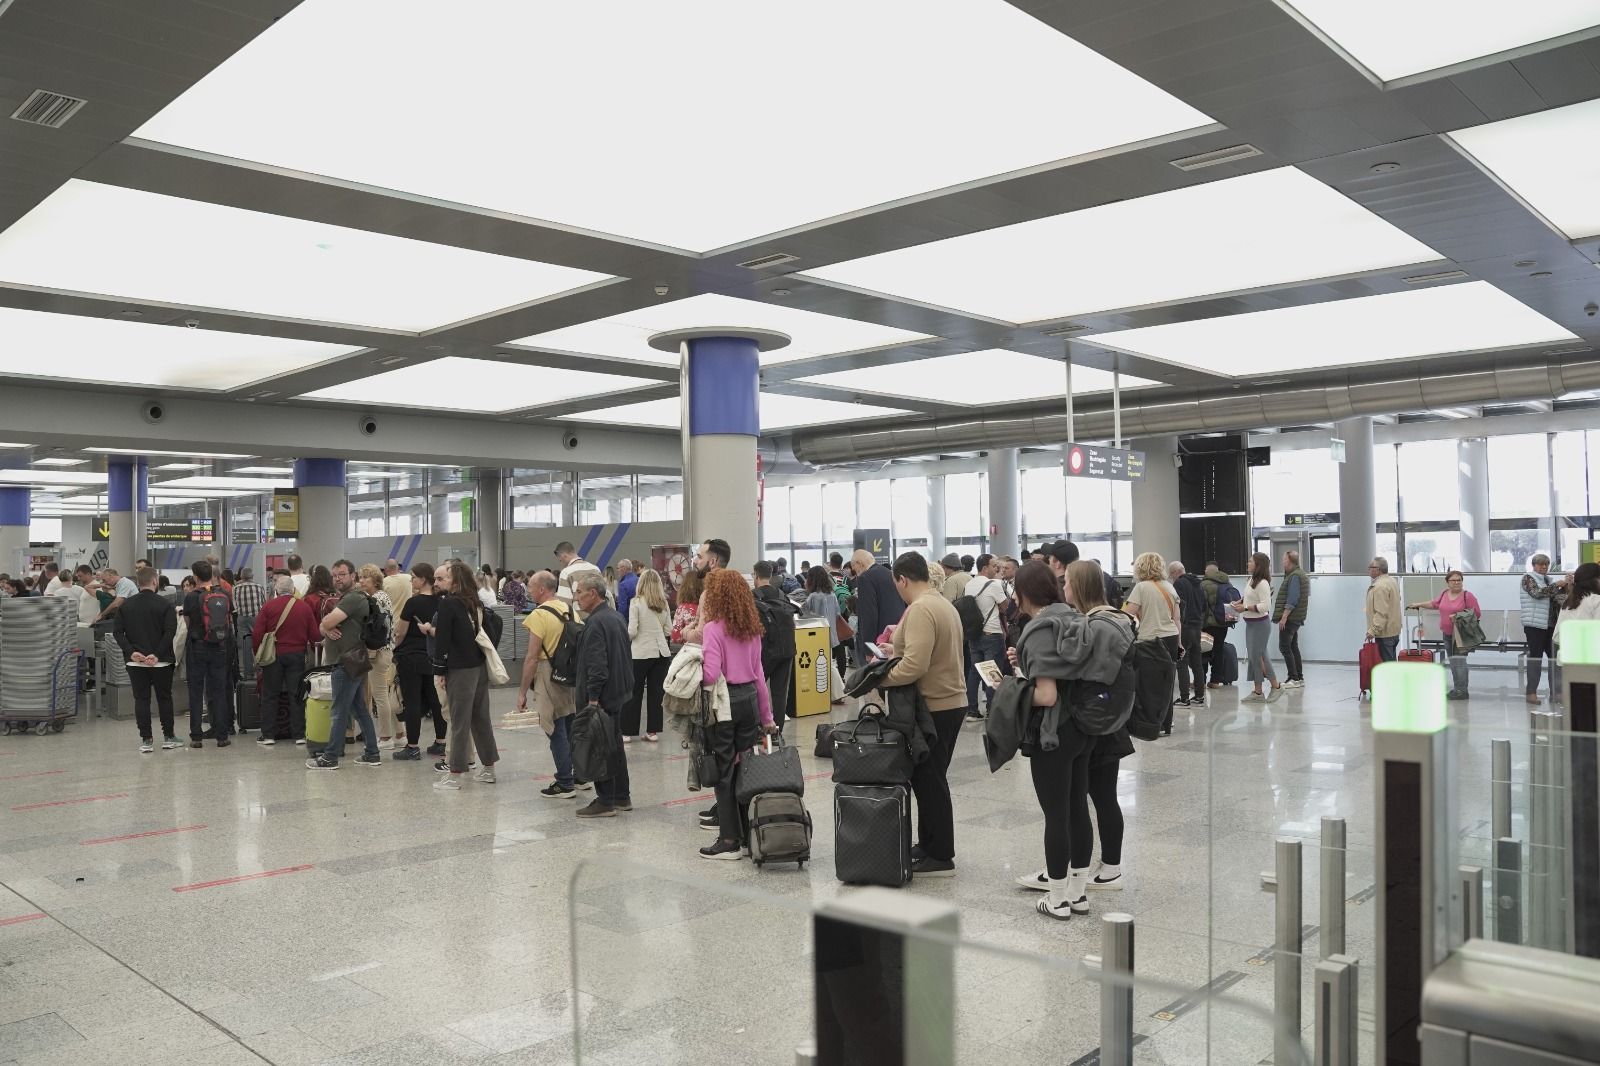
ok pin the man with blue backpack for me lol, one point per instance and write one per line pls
(1221, 614)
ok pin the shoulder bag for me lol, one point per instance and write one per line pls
(491, 658)
(770, 767)
(267, 654)
(865, 752)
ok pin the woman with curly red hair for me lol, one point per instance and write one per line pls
(732, 653)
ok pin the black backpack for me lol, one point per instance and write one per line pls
(375, 628)
(1097, 709)
(972, 617)
(564, 656)
(777, 623)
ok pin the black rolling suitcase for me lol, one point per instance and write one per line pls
(1224, 663)
(872, 834)
(247, 706)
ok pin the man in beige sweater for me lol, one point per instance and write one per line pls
(1383, 609)
(930, 645)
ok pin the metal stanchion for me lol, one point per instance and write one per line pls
(1507, 883)
(1471, 902)
(1500, 796)
(1337, 984)
(805, 1055)
(1116, 996)
(1332, 861)
(1546, 923)
(1286, 955)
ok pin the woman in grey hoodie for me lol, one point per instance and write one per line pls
(1063, 644)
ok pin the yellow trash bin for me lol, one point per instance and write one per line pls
(812, 658)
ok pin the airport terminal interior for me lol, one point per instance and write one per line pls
(1270, 322)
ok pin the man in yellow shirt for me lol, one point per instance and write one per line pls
(554, 702)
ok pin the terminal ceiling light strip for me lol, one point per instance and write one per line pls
(1397, 38)
(153, 451)
(625, 336)
(1256, 230)
(976, 378)
(51, 477)
(1549, 158)
(1474, 316)
(58, 462)
(778, 412)
(515, 385)
(87, 237)
(493, 148)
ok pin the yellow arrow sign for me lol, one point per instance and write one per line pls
(105, 530)
(877, 546)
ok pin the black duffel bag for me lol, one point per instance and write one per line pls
(866, 752)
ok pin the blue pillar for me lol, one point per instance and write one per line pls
(128, 499)
(14, 519)
(324, 510)
(724, 381)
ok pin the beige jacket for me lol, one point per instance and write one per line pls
(1384, 617)
(930, 644)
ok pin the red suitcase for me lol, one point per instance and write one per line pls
(1368, 658)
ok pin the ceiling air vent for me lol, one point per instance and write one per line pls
(1579, 350)
(1063, 330)
(1423, 279)
(44, 108)
(1216, 158)
(766, 262)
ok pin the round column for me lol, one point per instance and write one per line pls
(128, 501)
(14, 519)
(1005, 502)
(1358, 527)
(324, 510)
(720, 384)
(491, 491)
(1156, 524)
(1472, 479)
(936, 517)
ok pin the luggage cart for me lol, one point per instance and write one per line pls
(66, 696)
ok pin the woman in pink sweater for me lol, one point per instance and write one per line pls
(732, 653)
(1452, 601)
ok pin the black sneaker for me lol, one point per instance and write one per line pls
(436, 748)
(722, 848)
(197, 744)
(223, 742)
(321, 762)
(443, 766)
(583, 786)
(917, 854)
(370, 760)
(1197, 701)
(709, 812)
(1181, 701)
(407, 755)
(556, 792)
(928, 866)
(597, 810)
(710, 822)
(623, 805)
(975, 716)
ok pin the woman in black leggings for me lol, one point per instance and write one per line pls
(414, 666)
(1061, 776)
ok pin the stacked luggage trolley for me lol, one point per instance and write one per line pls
(40, 664)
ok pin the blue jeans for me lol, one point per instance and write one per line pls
(561, 750)
(1388, 647)
(990, 646)
(347, 701)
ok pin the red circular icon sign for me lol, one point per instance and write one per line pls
(1075, 460)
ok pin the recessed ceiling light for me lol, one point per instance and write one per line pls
(75, 348)
(778, 412)
(280, 471)
(75, 478)
(1525, 262)
(974, 378)
(221, 482)
(1540, 274)
(626, 336)
(1549, 158)
(1384, 168)
(894, 61)
(1396, 40)
(181, 466)
(154, 451)
(104, 239)
(1253, 231)
(1474, 316)
(58, 462)
(515, 385)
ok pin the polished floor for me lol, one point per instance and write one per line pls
(225, 906)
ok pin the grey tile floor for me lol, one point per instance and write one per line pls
(224, 906)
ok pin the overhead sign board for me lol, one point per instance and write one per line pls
(102, 529)
(1109, 464)
(877, 542)
(1317, 518)
(286, 513)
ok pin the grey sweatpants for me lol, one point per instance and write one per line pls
(470, 724)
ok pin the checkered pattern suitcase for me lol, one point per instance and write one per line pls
(872, 834)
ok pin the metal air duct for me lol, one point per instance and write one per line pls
(1045, 425)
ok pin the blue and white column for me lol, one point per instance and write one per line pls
(324, 510)
(720, 385)
(128, 501)
(14, 519)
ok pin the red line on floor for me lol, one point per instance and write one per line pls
(141, 836)
(245, 877)
(36, 773)
(825, 773)
(20, 919)
(69, 803)
(675, 758)
(698, 797)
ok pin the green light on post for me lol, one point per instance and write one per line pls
(1580, 642)
(1409, 697)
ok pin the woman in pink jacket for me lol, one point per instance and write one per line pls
(732, 653)
(1454, 599)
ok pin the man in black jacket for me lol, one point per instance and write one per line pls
(777, 613)
(605, 680)
(145, 628)
(1191, 617)
(878, 602)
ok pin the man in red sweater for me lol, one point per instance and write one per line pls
(297, 634)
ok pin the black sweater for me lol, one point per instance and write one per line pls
(146, 624)
(455, 636)
(605, 661)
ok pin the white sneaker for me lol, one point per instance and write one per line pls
(1254, 697)
(486, 775)
(1039, 880)
(266, 742)
(448, 783)
(1102, 882)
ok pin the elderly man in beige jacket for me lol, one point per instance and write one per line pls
(1384, 610)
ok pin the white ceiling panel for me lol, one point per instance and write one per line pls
(1397, 38)
(73, 348)
(137, 245)
(1474, 316)
(976, 378)
(626, 336)
(1268, 228)
(693, 155)
(778, 413)
(1551, 159)
(456, 383)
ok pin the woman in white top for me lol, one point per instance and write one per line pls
(1256, 610)
(486, 594)
(649, 629)
(1582, 602)
(1154, 602)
